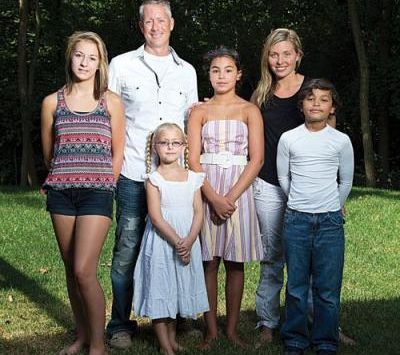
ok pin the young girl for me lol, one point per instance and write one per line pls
(169, 278)
(83, 141)
(225, 137)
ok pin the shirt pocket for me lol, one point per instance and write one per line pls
(174, 97)
(136, 94)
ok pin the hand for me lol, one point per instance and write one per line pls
(182, 250)
(185, 259)
(193, 105)
(184, 246)
(223, 207)
(214, 218)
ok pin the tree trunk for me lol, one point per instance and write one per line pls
(384, 38)
(364, 93)
(25, 84)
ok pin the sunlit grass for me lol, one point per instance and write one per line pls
(34, 311)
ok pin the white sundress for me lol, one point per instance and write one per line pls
(163, 285)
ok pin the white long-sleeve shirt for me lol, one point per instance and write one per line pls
(151, 96)
(308, 164)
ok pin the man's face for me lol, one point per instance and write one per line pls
(156, 26)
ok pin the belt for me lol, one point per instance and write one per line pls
(223, 159)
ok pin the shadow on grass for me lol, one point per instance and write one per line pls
(10, 277)
(373, 324)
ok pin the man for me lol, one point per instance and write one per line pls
(156, 87)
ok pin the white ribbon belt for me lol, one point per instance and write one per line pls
(223, 159)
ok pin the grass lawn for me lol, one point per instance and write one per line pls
(35, 317)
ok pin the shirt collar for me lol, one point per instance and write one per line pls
(177, 60)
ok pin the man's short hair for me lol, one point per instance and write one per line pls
(164, 3)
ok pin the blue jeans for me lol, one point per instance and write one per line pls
(270, 204)
(313, 246)
(130, 215)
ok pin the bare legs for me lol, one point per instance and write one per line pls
(80, 240)
(165, 329)
(210, 317)
(233, 292)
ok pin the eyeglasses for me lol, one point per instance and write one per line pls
(174, 144)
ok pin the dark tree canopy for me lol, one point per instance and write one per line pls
(324, 27)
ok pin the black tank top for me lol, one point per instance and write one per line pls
(279, 115)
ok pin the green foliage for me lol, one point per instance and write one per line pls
(201, 26)
(35, 317)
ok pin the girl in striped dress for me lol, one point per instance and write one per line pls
(83, 141)
(225, 137)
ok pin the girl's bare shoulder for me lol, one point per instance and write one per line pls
(199, 112)
(113, 98)
(50, 100)
(249, 107)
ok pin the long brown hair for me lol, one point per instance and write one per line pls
(101, 78)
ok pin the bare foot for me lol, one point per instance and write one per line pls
(167, 352)
(178, 347)
(266, 337)
(207, 343)
(97, 350)
(73, 348)
(237, 341)
(346, 340)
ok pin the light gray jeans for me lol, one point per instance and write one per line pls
(270, 206)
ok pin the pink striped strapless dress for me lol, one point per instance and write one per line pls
(238, 238)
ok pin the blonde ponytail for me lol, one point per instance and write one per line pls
(149, 152)
(186, 156)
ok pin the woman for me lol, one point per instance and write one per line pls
(277, 97)
(83, 128)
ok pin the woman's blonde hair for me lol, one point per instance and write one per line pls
(266, 85)
(101, 78)
(152, 139)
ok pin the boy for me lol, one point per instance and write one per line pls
(309, 159)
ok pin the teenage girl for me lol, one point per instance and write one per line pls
(225, 137)
(83, 140)
(169, 277)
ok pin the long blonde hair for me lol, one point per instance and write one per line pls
(101, 78)
(266, 85)
(152, 138)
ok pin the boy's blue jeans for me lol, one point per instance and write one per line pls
(130, 215)
(313, 246)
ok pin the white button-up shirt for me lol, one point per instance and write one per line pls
(149, 101)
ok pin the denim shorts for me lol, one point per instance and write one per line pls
(80, 202)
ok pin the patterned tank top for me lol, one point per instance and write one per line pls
(82, 148)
